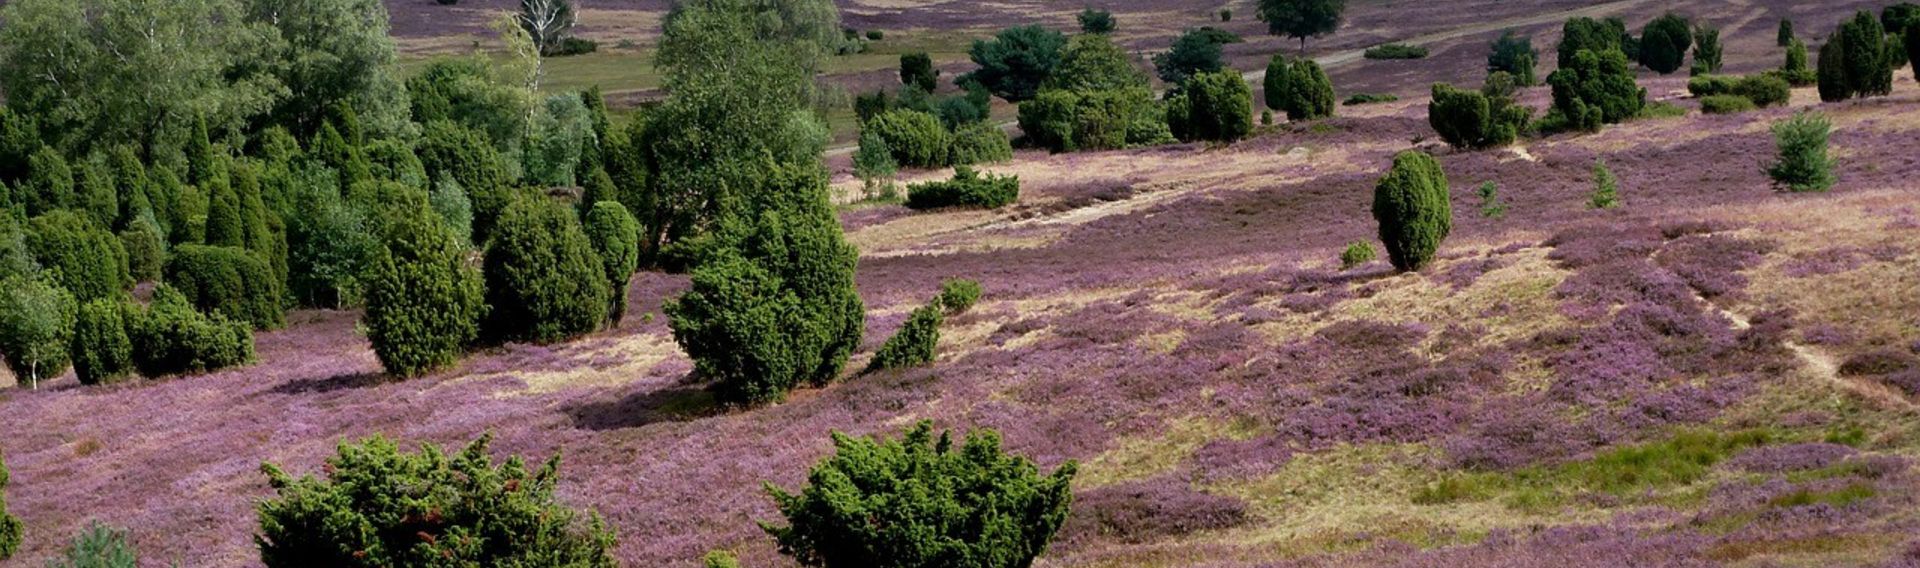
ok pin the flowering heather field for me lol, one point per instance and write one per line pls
(1713, 374)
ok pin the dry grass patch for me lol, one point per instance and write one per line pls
(1134, 459)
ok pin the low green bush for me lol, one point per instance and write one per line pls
(379, 506)
(979, 143)
(968, 188)
(424, 300)
(1725, 104)
(1803, 164)
(958, 295)
(913, 345)
(1396, 51)
(171, 338)
(1764, 90)
(1356, 254)
(917, 139)
(1710, 85)
(544, 282)
(100, 546)
(1368, 98)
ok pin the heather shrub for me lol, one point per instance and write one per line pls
(1470, 119)
(10, 526)
(917, 139)
(957, 295)
(921, 502)
(1411, 204)
(979, 143)
(99, 546)
(171, 338)
(146, 248)
(101, 351)
(79, 255)
(913, 345)
(36, 327)
(227, 280)
(1216, 106)
(424, 301)
(544, 282)
(968, 188)
(616, 238)
(1606, 188)
(776, 306)
(1726, 104)
(1356, 254)
(379, 506)
(1596, 88)
(1803, 163)
(1396, 51)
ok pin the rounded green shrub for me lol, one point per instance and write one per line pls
(1299, 87)
(1356, 254)
(616, 238)
(1411, 204)
(1215, 106)
(379, 506)
(544, 281)
(1596, 89)
(1471, 119)
(101, 351)
(79, 255)
(1804, 164)
(465, 155)
(967, 189)
(146, 248)
(922, 501)
(171, 338)
(229, 281)
(917, 69)
(1764, 90)
(424, 302)
(1725, 104)
(979, 143)
(49, 183)
(1710, 85)
(913, 345)
(36, 328)
(917, 139)
(1664, 43)
(958, 295)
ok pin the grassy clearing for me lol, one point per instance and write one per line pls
(1141, 458)
(1658, 471)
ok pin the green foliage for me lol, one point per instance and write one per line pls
(101, 351)
(979, 143)
(450, 202)
(922, 502)
(1196, 51)
(1356, 254)
(1803, 163)
(451, 151)
(1091, 63)
(328, 242)
(337, 52)
(1300, 88)
(616, 238)
(876, 35)
(873, 160)
(227, 280)
(958, 295)
(1096, 21)
(1597, 88)
(36, 327)
(1726, 104)
(1606, 188)
(79, 255)
(916, 69)
(1898, 17)
(471, 93)
(424, 301)
(1588, 34)
(49, 183)
(1369, 98)
(1664, 43)
(1764, 90)
(1855, 61)
(1215, 106)
(917, 139)
(1707, 51)
(544, 281)
(913, 345)
(99, 546)
(379, 506)
(1633, 471)
(10, 526)
(1490, 205)
(1017, 60)
(1301, 19)
(1784, 37)
(967, 189)
(562, 133)
(1411, 204)
(171, 338)
(1710, 85)
(95, 190)
(774, 305)
(1470, 119)
(1094, 100)
(15, 258)
(1391, 51)
(1514, 55)
(719, 559)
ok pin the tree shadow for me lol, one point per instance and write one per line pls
(331, 384)
(677, 403)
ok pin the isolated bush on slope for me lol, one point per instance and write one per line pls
(424, 302)
(171, 338)
(1664, 43)
(1411, 204)
(1299, 87)
(1803, 163)
(544, 281)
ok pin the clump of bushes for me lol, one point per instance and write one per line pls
(917, 139)
(1596, 88)
(1855, 61)
(1471, 119)
(1803, 164)
(1356, 254)
(918, 501)
(958, 295)
(916, 70)
(1369, 98)
(227, 280)
(79, 254)
(424, 302)
(544, 282)
(1301, 88)
(171, 338)
(1396, 51)
(1215, 107)
(1796, 70)
(101, 351)
(968, 188)
(1664, 43)
(979, 143)
(379, 506)
(1412, 206)
(1094, 100)
(1762, 90)
(1726, 104)
(913, 345)
(36, 327)
(1515, 56)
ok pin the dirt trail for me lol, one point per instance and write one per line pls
(1823, 366)
(1340, 58)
